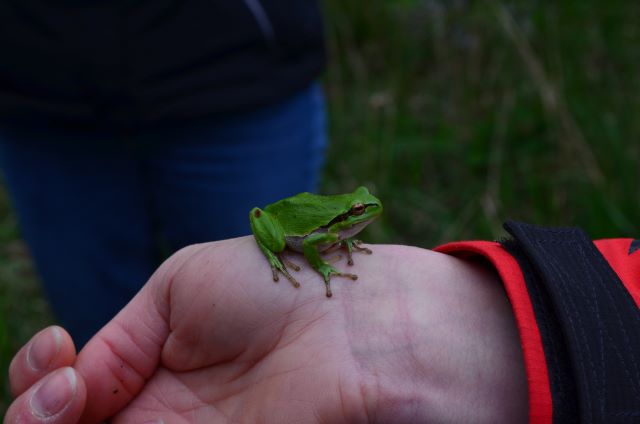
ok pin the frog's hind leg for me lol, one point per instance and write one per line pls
(278, 265)
(281, 266)
(287, 263)
(353, 244)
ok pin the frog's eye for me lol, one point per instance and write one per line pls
(357, 209)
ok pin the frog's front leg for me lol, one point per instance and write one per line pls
(353, 244)
(310, 250)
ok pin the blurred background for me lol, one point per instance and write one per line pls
(458, 115)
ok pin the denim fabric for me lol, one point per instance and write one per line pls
(99, 210)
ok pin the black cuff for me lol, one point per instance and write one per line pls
(589, 323)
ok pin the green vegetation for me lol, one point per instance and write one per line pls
(461, 114)
(457, 115)
(23, 310)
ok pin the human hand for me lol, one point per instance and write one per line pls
(420, 337)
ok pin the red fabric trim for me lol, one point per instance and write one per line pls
(540, 403)
(627, 266)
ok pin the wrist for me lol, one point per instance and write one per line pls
(451, 351)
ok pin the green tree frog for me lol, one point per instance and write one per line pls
(313, 224)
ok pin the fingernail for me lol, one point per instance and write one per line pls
(55, 394)
(44, 349)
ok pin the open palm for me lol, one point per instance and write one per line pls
(211, 339)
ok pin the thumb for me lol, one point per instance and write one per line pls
(123, 355)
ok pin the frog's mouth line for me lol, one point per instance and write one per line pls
(346, 215)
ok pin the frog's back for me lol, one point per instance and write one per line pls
(305, 212)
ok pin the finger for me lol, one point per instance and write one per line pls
(58, 398)
(118, 360)
(48, 350)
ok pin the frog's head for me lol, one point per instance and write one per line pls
(364, 205)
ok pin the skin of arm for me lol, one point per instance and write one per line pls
(420, 337)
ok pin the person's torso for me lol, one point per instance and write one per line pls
(123, 62)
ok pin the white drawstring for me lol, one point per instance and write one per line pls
(261, 17)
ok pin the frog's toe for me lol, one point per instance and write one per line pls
(363, 249)
(354, 277)
(357, 245)
(282, 270)
(290, 264)
(331, 272)
(292, 280)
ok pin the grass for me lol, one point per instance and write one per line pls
(458, 115)
(23, 309)
(462, 114)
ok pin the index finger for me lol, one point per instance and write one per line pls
(48, 350)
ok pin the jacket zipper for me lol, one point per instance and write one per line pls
(263, 21)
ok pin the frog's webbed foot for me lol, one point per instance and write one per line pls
(283, 271)
(288, 263)
(280, 266)
(353, 244)
(328, 271)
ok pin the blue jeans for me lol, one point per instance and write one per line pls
(97, 208)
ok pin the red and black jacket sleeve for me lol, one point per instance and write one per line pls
(577, 308)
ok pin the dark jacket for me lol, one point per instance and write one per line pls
(126, 62)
